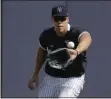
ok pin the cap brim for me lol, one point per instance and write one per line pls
(60, 15)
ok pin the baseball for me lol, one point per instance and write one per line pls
(70, 45)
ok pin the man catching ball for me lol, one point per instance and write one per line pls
(64, 49)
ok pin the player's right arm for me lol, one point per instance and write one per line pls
(40, 59)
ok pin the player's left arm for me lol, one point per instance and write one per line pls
(84, 42)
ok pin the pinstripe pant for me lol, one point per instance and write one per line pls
(61, 87)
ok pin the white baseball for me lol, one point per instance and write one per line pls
(70, 45)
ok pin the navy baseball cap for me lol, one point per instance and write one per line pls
(59, 10)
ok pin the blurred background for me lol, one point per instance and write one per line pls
(23, 22)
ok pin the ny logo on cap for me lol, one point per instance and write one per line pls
(59, 9)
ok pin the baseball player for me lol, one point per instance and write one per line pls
(63, 48)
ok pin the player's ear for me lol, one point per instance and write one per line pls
(52, 19)
(67, 19)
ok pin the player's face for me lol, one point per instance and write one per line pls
(60, 24)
